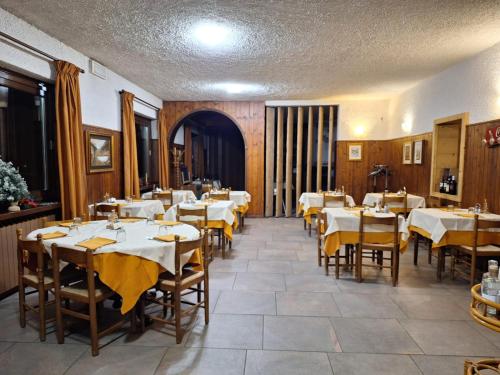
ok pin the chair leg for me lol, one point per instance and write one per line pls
(22, 302)
(165, 301)
(178, 331)
(473, 262)
(223, 239)
(353, 252)
(319, 256)
(305, 224)
(206, 300)
(41, 311)
(439, 265)
(310, 229)
(359, 259)
(327, 263)
(94, 339)
(337, 264)
(198, 293)
(415, 248)
(429, 255)
(59, 322)
(142, 312)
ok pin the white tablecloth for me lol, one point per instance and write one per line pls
(138, 241)
(340, 219)
(240, 198)
(437, 222)
(219, 210)
(147, 208)
(413, 201)
(178, 195)
(309, 200)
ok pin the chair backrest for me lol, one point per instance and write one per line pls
(192, 215)
(205, 188)
(396, 202)
(322, 225)
(219, 195)
(373, 220)
(166, 197)
(482, 224)
(30, 254)
(334, 200)
(80, 258)
(182, 247)
(106, 208)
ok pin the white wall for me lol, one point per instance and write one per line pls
(471, 86)
(357, 118)
(100, 98)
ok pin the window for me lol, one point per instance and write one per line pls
(146, 152)
(27, 132)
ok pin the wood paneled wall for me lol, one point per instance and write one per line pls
(250, 118)
(101, 183)
(481, 176)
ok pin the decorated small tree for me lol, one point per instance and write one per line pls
(12, 186)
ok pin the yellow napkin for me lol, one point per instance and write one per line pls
(166, 222)
(52, 235)
(366, 213)
(95, 243)
(130, 220)
(68, 224)
(168, 238)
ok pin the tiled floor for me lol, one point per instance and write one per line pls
(274, 312)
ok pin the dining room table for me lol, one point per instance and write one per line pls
(413, 201)
(177, 195)
(138, 207)
(240, 198)
(343, 228)
(310, 203)
(221, 214)
(133, 258)
(447, 226)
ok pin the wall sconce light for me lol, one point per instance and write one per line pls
(407, 124)
(359, 130)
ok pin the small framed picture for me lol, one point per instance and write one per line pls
(407, 153)
(99, 152)
(417, 152)
(355, 151)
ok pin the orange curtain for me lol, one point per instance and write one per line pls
(130, 167)
(70, 147)
(163, 148)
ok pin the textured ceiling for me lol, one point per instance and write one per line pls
(290, 49)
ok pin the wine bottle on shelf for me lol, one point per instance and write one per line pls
(447, 185)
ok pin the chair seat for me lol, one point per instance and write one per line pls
(188, 278)
(378, 246)
(80, 290)
(482, 249)
(33, 279)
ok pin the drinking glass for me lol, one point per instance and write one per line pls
(121, 235)
(77, 220)
(73, 230)
(163, 230)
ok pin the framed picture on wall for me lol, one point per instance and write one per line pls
(355, 151)
(407, 153)
(99, 152)
(417, 152)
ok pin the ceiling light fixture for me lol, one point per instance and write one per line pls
(236, 88)
(211, 34)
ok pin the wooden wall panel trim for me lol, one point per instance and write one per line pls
(289, 161)
(250, 119)
(319, 157)
(279, 164)
(300, 136)
(330, 148)
(270, 120)
(310, 127)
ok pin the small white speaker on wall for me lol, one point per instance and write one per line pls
(97, 69)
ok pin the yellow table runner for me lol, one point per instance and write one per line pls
(336, 239)
(243, 209)
(130, 275)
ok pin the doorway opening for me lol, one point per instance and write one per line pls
(213, 149)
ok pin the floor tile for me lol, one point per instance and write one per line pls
(222, 280)
(306, 267)
(38, 358)
(310, 283)
(275, 254)
(306, 304)
(299, 333)
(430, 307)
(262, 362)
(372, 364)
(228, 265)
(440, 337)
(267, 282)
(228, 332)
(270, 266)
(441, 364)
(202, 361)
(246, 302)
(367, 306)
(362, 335)
(10, 330)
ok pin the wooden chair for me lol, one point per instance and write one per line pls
(321, 229)
(199, 219)
(166, 198)
(470, 254)
(105, 209)
(220, 195)
(392, 247)
(173, 286)
(333, 201)
(398, 204)
(85, 292)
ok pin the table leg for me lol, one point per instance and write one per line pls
(415, 248)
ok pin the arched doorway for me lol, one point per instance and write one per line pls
(214, 147)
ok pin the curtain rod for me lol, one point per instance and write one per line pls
(142, 101)
(34, 49)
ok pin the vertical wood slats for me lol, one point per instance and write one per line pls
(298, 182)
(330, 147)
(319, 158)
(279, 164)
(289, 161)
(270, 118)
(309, 149)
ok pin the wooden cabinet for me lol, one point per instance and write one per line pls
(448, 153)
